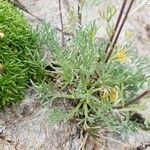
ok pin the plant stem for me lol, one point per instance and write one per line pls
(119, 31)
(135, 99)
(54, 96)
(79, 14)
(61, 21)
(65, 33)
(116, 26)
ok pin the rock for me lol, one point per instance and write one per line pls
(34, 131)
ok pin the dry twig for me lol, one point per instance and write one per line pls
(79, 14)
(135, 99)
(116, 26)
(61, 21)
(119, 31)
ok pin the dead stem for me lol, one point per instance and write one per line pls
(116, 141)
(83, 144)
(135, 99)
(117, 24)
(61, 21)
(65, 33)
(101, 136)
(119, 31)
(79, 14)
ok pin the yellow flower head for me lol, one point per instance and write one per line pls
(110, 94)
(105, 94)
(113, 94)
(1, 35)
(121, 55)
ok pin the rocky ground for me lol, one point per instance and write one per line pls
(27, 127)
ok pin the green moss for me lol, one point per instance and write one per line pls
(19, 55)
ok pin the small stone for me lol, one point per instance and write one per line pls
(2, 128)
(2, 35)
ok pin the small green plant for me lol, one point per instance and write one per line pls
(103, 79)
(19, 55)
